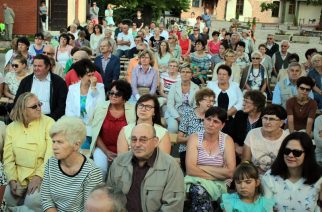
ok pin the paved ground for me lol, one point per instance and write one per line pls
(260, 38)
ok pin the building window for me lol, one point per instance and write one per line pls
(195, 3)
(240, 7)
(276, 9)
(291, 8)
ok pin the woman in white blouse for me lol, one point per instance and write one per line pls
(294, 180)
(96, 37)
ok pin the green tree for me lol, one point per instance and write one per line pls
(153, 9)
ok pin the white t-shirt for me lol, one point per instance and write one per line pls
(264, 151)
(124, 37)
(291, 196)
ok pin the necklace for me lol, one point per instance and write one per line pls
(252, 73)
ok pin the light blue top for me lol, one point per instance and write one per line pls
(277, 92)
(232, 203)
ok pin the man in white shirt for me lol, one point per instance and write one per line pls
(124, 41)
(163, 32)
(50, 89)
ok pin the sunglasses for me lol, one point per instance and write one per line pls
(255, 58)
(34, 107)
(295, 152)
(116, 94)
(269, 38)
(305, 89)
(47, 53)
(14, 65)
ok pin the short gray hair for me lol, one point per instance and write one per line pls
(256, 53)
(286, 41)
(72, 128)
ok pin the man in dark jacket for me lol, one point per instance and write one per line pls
(50, 88)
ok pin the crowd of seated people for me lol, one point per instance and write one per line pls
(245, 124)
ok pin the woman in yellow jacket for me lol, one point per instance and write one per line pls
(26, 151)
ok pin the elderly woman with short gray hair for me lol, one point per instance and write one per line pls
(255, 76)
(69, 176)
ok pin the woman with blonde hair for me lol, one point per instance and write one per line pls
(185, 44)
(144, 76)
(26, 150)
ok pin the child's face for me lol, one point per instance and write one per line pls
(246, 188)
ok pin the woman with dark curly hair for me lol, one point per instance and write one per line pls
(294, 180)
(108, 120)
(147, 111)
(248, 118)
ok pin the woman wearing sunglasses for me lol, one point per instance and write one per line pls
(26, 151)
(83, 96)
(13, 79)
(147, 111)
(294, 180)
(108, 120)
(301, 109)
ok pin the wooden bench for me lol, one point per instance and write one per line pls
(270, 25)
(124, 63)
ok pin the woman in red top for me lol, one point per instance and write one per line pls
(185, 44)
(214, 44)
(109, 118)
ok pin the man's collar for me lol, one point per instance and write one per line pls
(149, 162)
(47, 78)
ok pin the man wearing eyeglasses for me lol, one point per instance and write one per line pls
(150, 178)
(271, 46)
(50, 89)
(57, 68)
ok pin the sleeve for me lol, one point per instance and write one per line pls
(58, 110)
(289, 106)
(134, 81)
(183, 126)
(316, 132)
(154, 83)
(277, 95)
(46, 199)
(116, 69)
(248, 138)
(94, 178)
(92, 42)
(69, 104)
(266, 185)
(171, 102)
(227, 202)
(239, 95)
(173, 194)
(313, 108)
(10, 168)
(49, 151)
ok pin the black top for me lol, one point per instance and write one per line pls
(239, 128)
(138, 22)
(223, 100)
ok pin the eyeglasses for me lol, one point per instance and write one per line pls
(170, 38)
(185, 72)
(173, 66)
(295, 152)
(34, 107)
(248, 102)
(256, 58)
(116, 94)
(212, 101)
(264, 118)
(304, 89)
(142, 140)
(47, 53)
(14, 65)
(269, 38)
(146, 107)
(284, 46)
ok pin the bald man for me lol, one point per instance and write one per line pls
(151, 179)
(104, 199)
(57, 68)
(71, 77)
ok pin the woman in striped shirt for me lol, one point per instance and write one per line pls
(69, 176)
(210, 161)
